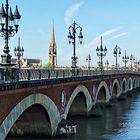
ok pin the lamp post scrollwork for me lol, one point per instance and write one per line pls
(136, 62)
(125, 59)
(101, 53)
(19, 52)
(107, 64)
(117, 52)
(72, 40)
(88, 60)
(132, 59)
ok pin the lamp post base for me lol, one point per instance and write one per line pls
(6, 59)
(74, 62)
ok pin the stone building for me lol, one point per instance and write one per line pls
(27, 62)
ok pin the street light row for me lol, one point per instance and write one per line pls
(101, 51)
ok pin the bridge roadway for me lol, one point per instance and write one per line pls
(34, 101)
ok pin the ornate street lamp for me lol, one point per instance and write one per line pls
(136, 62)
(88, 60)
(125, 59)
(9, 24)
(107, 64)
(139, 62)
(18, 52)
(101, 53)
(72, 40)
(117, 52)
(132, 59)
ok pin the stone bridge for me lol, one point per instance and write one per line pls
(35, 101)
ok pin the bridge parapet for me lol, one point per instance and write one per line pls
(10, 85)
(14, 74)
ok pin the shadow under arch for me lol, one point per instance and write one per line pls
(103, 86)
(30, 100)
(33, 121)
(78, 90)
(124, 85)
(134, 83)
(137, 83)
(115, 90)
(130, 84)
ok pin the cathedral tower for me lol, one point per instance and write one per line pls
(52, 50)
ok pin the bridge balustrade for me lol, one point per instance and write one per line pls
(1, 75)
(24, 75)
(36, 74)
(44, 74)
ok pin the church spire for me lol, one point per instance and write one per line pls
(52, 49)
(53, 35)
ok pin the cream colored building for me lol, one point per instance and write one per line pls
(26, 62)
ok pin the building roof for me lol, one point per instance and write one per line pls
(29, 60)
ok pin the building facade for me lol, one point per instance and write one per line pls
(28, 63)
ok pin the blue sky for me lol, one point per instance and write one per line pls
(116, 20)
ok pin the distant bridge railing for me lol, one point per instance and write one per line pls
(14, 74)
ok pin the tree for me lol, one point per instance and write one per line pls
(47, 66)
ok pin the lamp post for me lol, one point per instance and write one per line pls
(125, 59)
(88, 60)
(101, 53)
(136, 62)
(107, 64)
(139, 62)
(9, 24)
(72, 40)
(18, 52)
(132, 59)
(117, 51)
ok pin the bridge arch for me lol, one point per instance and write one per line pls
(116, 90)
(30, 100)
(103, 86)
(130, 83)
(79, 89)
(124, 85)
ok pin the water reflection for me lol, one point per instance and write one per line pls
(130, 129)
(121, 122)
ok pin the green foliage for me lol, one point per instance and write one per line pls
(36, 66)
(47, 66)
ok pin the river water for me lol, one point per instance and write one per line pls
(121, 122)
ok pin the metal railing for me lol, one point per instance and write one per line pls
(14, 74)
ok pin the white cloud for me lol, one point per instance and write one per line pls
(108, 32)
(96, 41)
(71, 12)
(117, 36)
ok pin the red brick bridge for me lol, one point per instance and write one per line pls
(40, 99)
